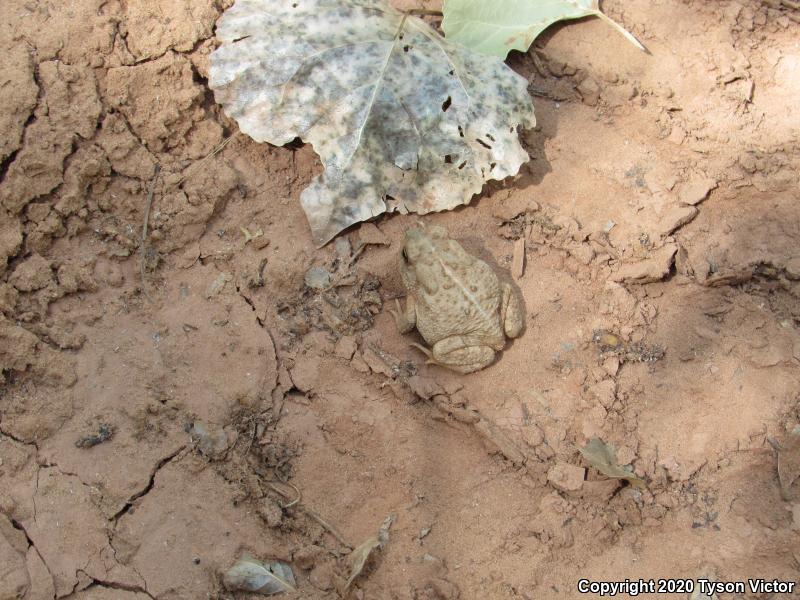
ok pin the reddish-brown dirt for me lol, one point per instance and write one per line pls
(161, 404)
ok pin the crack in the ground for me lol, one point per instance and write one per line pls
(19, 440)
(113, 585)
(151, 482)
(20, 527)
(6, 164)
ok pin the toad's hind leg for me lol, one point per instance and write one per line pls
(512, 313)
(462, 354)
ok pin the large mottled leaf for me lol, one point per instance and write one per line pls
(401, 118)
(495, 28)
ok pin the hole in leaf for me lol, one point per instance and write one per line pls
(492, 166)
(448, 159)
(294, 5)
(452, 73)
(406, 48)
(460, 131)
(484, 144)
(489, 135)
(462, 165)
(446, 104)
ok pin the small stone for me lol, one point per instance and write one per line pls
(346, 347)
(674, 217)
(566, 477)
(696, 190)
(518, 261)
(318, 278)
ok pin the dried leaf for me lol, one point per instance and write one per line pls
(402, 118)
(251, 575)
(603, 457)
(496, 28)
(359, 557)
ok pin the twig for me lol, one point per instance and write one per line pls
(329, 528)
(325, 525)
(203, 160)
(143, 246)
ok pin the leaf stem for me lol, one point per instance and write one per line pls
(424, 12)
(628, 35)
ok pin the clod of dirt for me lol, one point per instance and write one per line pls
(649, 270)
(359, 557)
(251, 575)
(18, 93)
(368, 233)
(603, 457)
(347, 307)
(696, 190)
(155, 27)
(32, 274)
(789, 466)
(518, 259)
(566, 477)
(675, 217)
(160, 125)
(270, 512)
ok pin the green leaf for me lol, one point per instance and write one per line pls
(603, 457)
(496, 28)
(402, 119)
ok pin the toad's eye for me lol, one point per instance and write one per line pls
(405, 256)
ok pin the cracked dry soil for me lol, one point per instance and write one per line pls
(166, 408)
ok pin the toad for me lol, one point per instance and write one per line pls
(456, 302)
